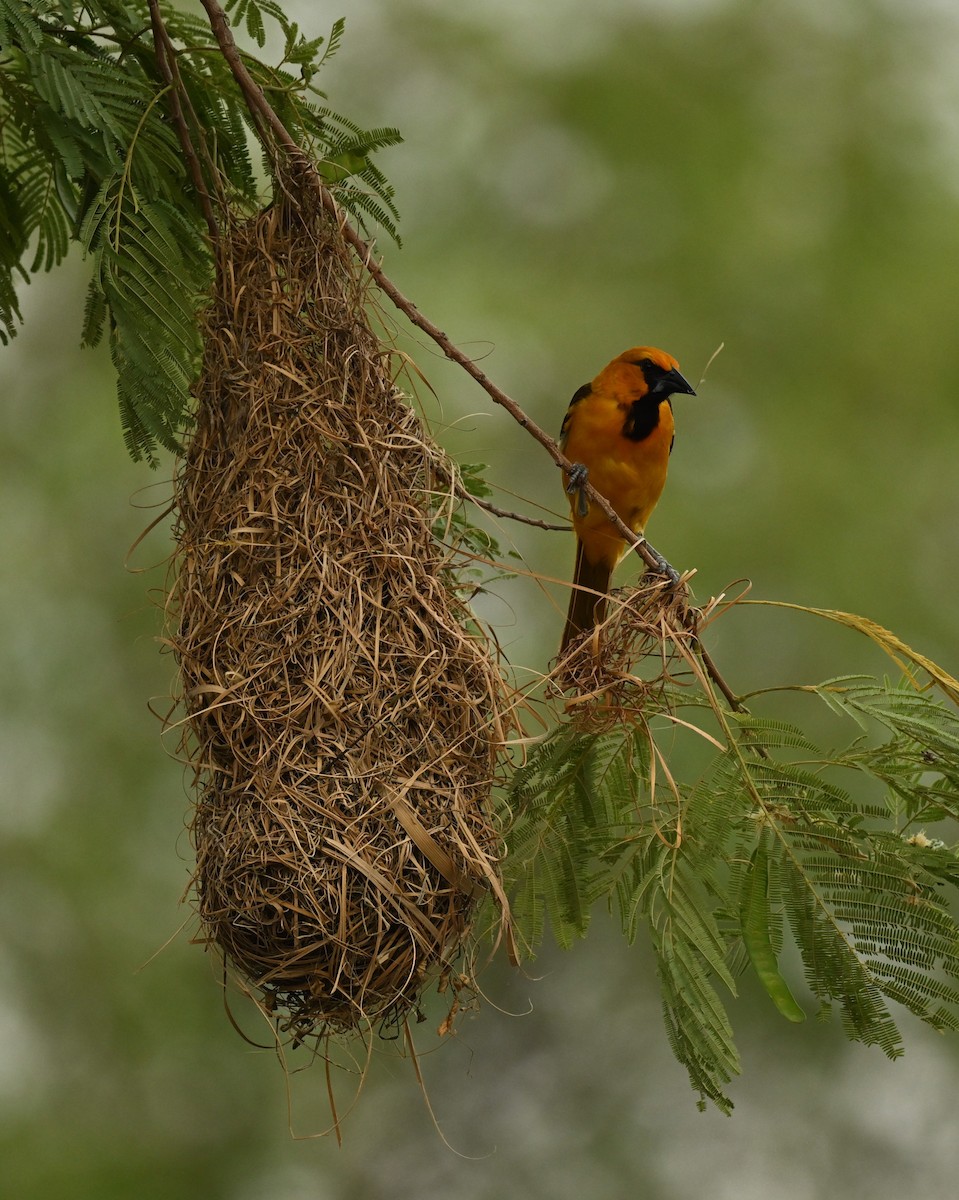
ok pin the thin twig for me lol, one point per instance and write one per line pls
(264, 114)
(713, 671)
(258, 102)
(506, 514)
(170, 73)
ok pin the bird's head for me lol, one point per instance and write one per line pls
(650, 372)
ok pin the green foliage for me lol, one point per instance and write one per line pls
(476, 553)
(89, 154)
(766, 839)
(459, 526)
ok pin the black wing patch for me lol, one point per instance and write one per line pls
(579, 394)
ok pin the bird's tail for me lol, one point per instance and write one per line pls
(586, 608)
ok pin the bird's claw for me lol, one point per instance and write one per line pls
(664, 567)
(578, 474)
(576, 480)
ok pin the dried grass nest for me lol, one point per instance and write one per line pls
(343, 713)
(613, 674)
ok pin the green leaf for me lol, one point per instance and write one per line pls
(19, 26)
(88, 152)
(757, 921)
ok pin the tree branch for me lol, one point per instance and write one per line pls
(262, 108)
(169, 72)
(505, 512)
(264, 116)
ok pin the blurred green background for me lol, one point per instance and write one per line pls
(782, 177)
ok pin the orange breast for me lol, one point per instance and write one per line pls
(631, 475)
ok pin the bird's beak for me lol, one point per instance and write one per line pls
(673, 384)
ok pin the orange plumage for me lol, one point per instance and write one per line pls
(618, 431)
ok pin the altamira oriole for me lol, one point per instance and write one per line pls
(618, 432)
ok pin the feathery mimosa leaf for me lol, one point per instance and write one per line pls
(757, 919)
(88, 148)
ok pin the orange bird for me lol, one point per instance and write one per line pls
(618, 432)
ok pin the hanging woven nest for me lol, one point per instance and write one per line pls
(344, 713)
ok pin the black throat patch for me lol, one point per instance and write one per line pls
(643, 417)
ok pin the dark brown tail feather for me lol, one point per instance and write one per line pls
(586, 609)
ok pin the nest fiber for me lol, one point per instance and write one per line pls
(645, 646)
(343, 715)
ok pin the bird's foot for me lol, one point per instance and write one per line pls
(663, 566)
(576, 479)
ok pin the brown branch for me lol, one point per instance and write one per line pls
(260, 106)
(364, 250)
(515, 516)
(170, 73)
(713, 672)
(264, 115)
(506, 514)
